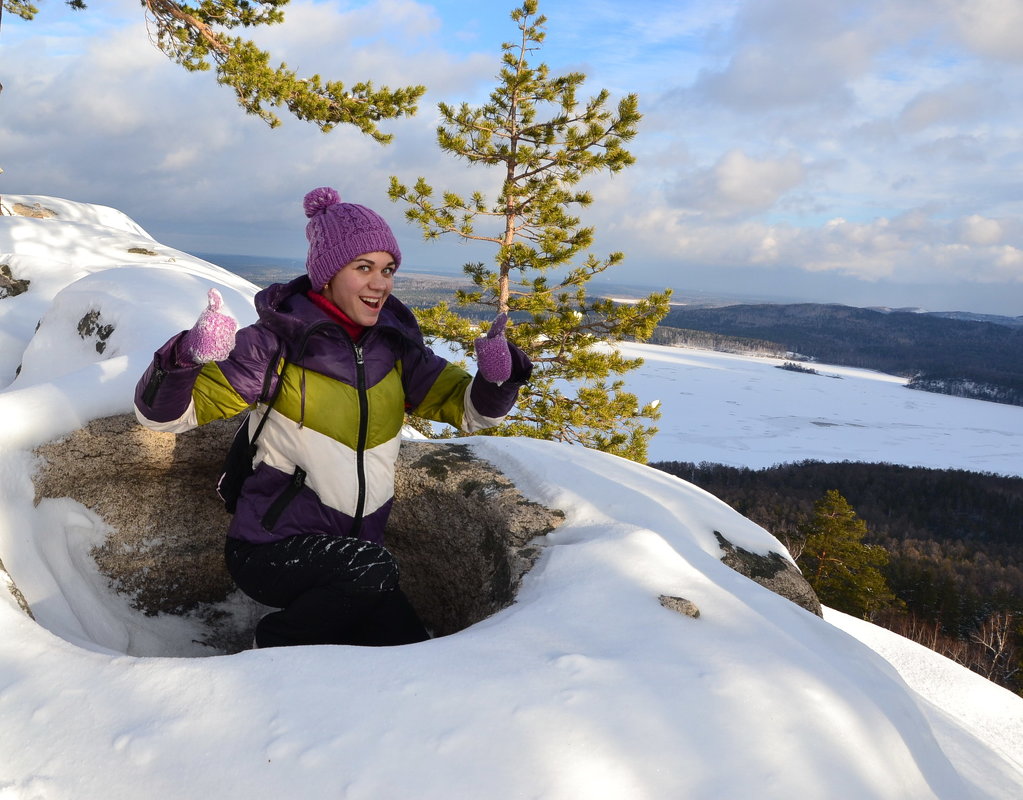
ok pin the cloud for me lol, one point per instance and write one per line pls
(739, 185)
(978, 230)
(758, 79)
(790, 53)
(109, 119)
(947, 105)
(354, 42)
(871, 138)
(915, 247)
(992, 28)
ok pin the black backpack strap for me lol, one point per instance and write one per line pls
(238, 462)
(279, 356)
(277, 359)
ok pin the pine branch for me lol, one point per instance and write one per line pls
(195, 37)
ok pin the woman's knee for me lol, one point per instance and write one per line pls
(364, 566)
(287, 568)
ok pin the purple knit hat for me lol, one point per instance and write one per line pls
(338, 233)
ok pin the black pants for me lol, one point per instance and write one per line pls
(331, 590)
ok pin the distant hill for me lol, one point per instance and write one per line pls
(960, 353)
(970, 316)
(939, 352)
(261, 270)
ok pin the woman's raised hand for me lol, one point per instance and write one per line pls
(492, 353)
(212, 336)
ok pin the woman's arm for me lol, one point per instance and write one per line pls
(177, 395)
(444, 392)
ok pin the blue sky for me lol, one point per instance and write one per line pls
(863, 152)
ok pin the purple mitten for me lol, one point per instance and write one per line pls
(492, 353)
(212, 336)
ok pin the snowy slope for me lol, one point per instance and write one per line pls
(586, 687)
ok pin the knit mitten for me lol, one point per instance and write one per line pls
(492, 354)
(212, 336)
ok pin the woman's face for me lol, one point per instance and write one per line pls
(361, 286)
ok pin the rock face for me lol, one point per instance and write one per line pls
(461, 532)
(459, 529)
(15, 592)
(37, 210)
(773, 572)
(156, 492)
(9, 285)
(687, 608)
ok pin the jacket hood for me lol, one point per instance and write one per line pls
(285, 309)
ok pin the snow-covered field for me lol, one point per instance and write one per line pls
(746, 412)
(585, 688)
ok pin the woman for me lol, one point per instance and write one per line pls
(342, 360)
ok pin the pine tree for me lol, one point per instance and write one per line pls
(540, 160)
(845, 572)
(196, 37)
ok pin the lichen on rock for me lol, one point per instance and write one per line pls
(9, 285)
(773, 571)
(36, 210)
(90, 326)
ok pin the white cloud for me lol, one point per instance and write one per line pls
(979, 230)
(118, 123)
(739, 185)
(993, 28)
(1009, 260)
(353, 42)
(791, 53)
(912, 248)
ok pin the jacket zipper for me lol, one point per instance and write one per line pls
(298, 477)
(360, 450)
(284, 499)
(149, 393)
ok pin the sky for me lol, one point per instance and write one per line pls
(585, 687)
(867, 152)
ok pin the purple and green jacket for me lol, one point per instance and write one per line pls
(326, 455)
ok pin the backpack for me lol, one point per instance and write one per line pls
(240, 455)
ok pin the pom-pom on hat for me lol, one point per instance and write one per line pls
(338, 233)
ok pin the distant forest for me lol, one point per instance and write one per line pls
(955, 538)
(968, 358)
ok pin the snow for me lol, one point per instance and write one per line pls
(746, 412)
(585, 687)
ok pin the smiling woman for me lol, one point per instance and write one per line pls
(360, 288)
(332, 366)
